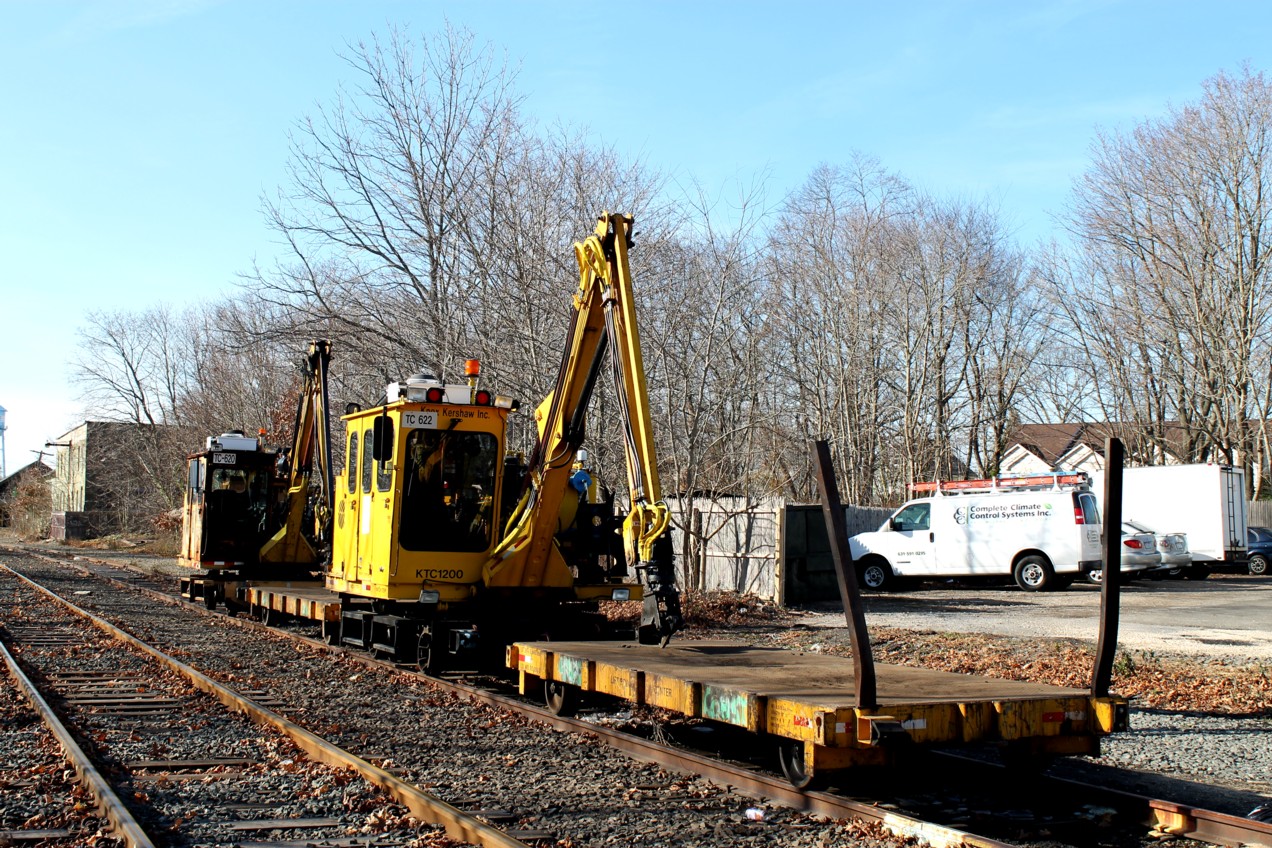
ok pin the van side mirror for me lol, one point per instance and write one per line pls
(382, 438)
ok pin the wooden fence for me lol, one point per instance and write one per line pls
(1259, 513)
(761, 546)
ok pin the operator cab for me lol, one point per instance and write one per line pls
(227, 502)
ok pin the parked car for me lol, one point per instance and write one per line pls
(1259, 544)
(1176, 560)
(1139, 554)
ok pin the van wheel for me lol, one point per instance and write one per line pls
(1034, 574)
(874, 575)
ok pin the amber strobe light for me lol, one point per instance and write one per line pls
(472, 368)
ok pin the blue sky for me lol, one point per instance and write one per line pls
(138, 136)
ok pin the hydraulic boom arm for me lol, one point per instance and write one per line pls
(604, 316)
(309, 464)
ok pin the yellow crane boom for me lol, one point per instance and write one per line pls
(604, 317)
(309, 463)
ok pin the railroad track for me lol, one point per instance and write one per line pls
(198, 762)
(1076, 817)
(41, 800)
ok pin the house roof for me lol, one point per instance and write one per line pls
(1052, 441)
(38, 467)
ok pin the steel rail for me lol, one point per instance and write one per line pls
(108, 801)
(1162, 816)
(1168, 817)
(425, 807)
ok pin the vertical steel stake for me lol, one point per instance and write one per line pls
(833, 511)
(1111, 587)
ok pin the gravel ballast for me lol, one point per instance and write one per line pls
(481, 756)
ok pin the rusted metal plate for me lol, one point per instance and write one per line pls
(173, 765)
(176, 777)
(33, 835)
(281, 824)
(126, 701)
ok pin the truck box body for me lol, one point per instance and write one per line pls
(1207, 502)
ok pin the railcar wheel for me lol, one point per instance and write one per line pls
(1258, 565)
(209, 601)
(874, 575)
(790, 753)
(331, 632)
(1034, 574)
(561, 699)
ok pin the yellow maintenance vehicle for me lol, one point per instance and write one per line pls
(255, 513)
(436, 544)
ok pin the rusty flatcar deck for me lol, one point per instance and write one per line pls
(805, 675)
(301, 599)
(809, 697)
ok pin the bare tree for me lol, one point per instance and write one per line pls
(1170, 293)
(132, 365)
(832, 271)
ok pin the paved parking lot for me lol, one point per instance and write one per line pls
(1227, 615)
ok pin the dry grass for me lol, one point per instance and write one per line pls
(1153, 681)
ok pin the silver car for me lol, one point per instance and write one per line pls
(1139, 553)
(1172, 546)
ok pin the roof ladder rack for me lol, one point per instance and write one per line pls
(1055, 480)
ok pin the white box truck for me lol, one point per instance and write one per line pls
(1042, 530)
(1206, 501)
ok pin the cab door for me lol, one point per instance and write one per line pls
(192, 537)
(366, 512)
(915, 543)
(347, 521)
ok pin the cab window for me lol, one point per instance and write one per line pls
(916, 516)
(367, 462)
(351, 462)
(384, 470)
(448, 489)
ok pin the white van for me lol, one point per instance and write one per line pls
(1042, 530)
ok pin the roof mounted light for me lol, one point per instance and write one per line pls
(483, 398)
(472, 367)
(435, 394)
(507, 403)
